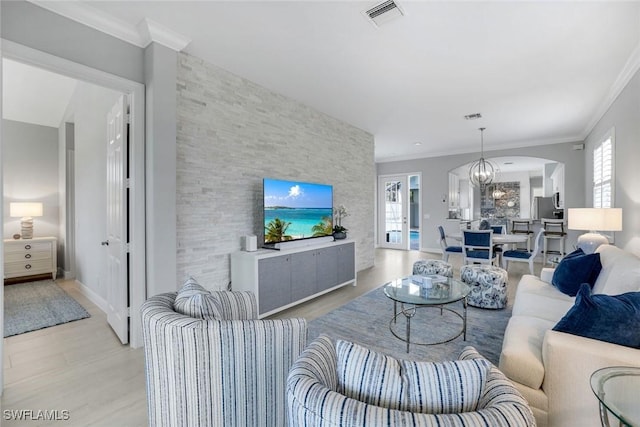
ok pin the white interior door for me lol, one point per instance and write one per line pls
(117, 221)
(393, 205)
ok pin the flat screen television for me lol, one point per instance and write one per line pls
(295, 210)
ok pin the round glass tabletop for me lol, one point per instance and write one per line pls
(415, 290)
(617, 388)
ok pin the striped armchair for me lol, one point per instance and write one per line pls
(218, 372)
(387, 392)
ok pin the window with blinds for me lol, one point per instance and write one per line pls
(603, 174)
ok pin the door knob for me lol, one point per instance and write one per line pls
(105, 243)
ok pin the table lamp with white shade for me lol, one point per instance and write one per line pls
(26, 211)
(593, 220)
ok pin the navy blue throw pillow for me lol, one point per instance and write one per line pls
(610, 318)
(575, 269)
(577, 252)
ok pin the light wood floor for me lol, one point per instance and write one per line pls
(82, 368)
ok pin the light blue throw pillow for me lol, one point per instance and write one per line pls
(195, 301)
(445, 387)
(421, 387)
(369, 377)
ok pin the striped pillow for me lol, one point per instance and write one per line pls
(195, 301)
(445, 387)
(369, 377)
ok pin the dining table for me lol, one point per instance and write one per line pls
(498, 239)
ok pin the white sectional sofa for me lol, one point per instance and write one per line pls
(552, 369)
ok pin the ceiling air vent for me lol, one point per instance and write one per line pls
(474, 116)
(383, 13)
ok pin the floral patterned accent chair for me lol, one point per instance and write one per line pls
(425, 267)
(488, 285)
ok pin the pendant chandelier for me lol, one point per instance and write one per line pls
(482, 172)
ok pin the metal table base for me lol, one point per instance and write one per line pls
(410, 312)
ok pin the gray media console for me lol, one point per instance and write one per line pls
(281, 279)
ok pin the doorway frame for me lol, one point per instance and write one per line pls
(381, 229)
(137, 214)
(420, 193)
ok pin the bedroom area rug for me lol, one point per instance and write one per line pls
(37, 305)
(365, 320)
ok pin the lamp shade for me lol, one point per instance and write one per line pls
(25, 209)
(600, 219)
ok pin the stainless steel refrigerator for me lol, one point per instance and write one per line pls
(542, 207)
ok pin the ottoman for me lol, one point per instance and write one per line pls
(424, 267)
(488, 285)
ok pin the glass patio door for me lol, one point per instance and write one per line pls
(393, 205)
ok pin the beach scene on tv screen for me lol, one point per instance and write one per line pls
(296, 210)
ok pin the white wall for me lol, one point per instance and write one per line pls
(231, 134)
(30, 161)
(624, 116)
(88, 111)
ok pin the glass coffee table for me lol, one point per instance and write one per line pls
(617, 389)
(412, 293)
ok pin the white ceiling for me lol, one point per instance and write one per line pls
(539, 72)
(33, 95)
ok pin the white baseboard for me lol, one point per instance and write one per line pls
(92, 296)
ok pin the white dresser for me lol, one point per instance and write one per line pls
(30, 257)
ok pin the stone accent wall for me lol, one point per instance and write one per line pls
(232, 133)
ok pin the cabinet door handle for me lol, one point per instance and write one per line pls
(27, 256)
(28, 266)
(27, 247)
(105, 243)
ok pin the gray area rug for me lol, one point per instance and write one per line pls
(37, 305)
(366, 320)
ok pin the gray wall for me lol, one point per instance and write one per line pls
(624, 117)
(160, 156)
(30, 162)
(435, 181)
(231, 134)
(38, 28)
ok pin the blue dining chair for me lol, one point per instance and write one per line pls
(498, 229)
(477, 246)
(522, 256)
(446, 249)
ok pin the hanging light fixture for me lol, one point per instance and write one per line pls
(482, 172)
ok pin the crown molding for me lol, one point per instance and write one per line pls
(142, 35)
(151, 31)
(628, 71)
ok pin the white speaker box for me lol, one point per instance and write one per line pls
(250, 243)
